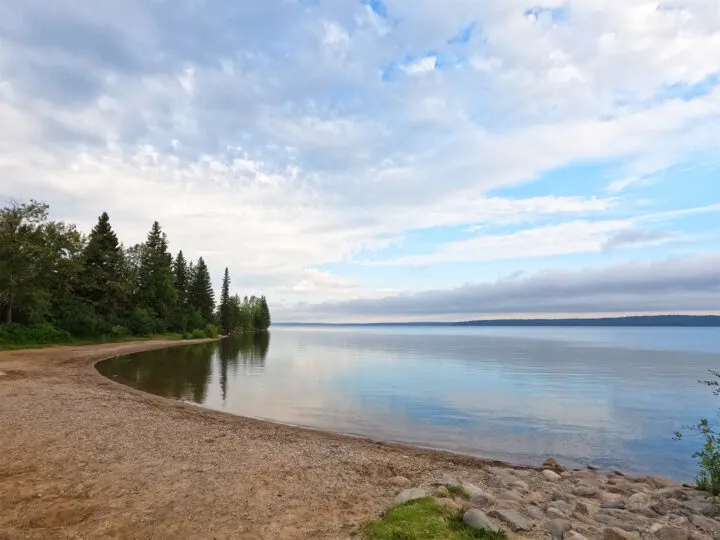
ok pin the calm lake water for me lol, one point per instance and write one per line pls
(611, 397)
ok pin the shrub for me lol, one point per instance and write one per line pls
(708, 476)
(41, 334)
(197, 334)
(142, 322)
(211, 331)
(118, 331)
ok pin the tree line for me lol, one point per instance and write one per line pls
(57, 284)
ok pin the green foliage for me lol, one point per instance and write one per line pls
(40, 334)
(197, 334)
(425, 519)
(142, 322)
(708, 476)
(57, 284)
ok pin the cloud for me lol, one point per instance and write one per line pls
(673, 285)
(634, 237)
(421, 66)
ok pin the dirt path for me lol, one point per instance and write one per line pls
(84, 457)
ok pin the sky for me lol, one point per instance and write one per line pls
(384, 160)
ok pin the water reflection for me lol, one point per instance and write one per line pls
(244, 354)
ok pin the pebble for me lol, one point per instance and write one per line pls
(409, 495)
(477, 519)
(551, 475)
(513, 519)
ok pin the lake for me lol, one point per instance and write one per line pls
(610, 397)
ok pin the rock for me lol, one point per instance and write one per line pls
(561, 507)
(501, 480)
(583, 490)
(557, 528)
(707, 524)
(550, 463)
(558, 495)
(622, 489)
(609, 497)
(477, 495)
(673, 493)
(447, 480)
(574, 535)
(613, 533)
(538, 497)
(477, 519)
(513, 519)
(508, 505)
(533, 512)
(618, 473)
(669, 532)
(615, 505)
(409, 495)
(658, 482)
(448, 503)
(662, 507)
(522, 473)
(400, 481)
(442, 492)
(615, 522)
(556, 513)
(551, 475)
(511, 496)
(519, 484)
(697, 506)
(584, 475)
(582, 509)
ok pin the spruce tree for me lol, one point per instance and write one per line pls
(225, 313)
(102, 279)
(202, 296)
(264, 313)
(156, 289)
(180, 271)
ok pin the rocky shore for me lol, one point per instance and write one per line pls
(557, 503)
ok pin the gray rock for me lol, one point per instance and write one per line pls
(614, 533)
(409, 495)
(670, 532)
(533, 512)
(584, 475)
(477, 495)
(557, 528)
(551, 475)
(561, 506)
(615, 522)
(574, 535)
(673, 493)
(442, 491)
(583, 490)
(707, 524)
(513, 519)
(582, 509)
(615, 505)
(558, 495)
(555, 513)
(448, 503)
(400, 481)
(477, 519)
(658, 483)
(639, 501)
(698, 506)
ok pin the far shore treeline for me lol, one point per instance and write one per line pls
(58, 285)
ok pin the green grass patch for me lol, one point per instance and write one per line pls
(457, 491)
(425, 519)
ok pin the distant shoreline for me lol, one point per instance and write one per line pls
(679, 321)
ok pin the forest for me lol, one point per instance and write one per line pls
(58, 285)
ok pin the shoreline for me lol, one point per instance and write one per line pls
(92, 457)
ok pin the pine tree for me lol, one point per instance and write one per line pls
(180, 271)
(225, 313)
(102, 279)
(202, 296)
(264, 314)
(156, 289)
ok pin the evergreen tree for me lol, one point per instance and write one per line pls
(202, 296)
(102, 279)
(156, 289)
(180, 270)
(264, 314)
(226, 321)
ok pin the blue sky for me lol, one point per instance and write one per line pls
(385, 160)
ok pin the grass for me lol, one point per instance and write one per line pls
(457, 491)
(425, 519)
(100, 340)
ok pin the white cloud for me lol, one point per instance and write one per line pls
(421, 66)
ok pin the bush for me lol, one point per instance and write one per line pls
(197, 334)
(79, 319)
(211, 331)
(41, 334)
(143, 322)
(708, 476)
(118, 332)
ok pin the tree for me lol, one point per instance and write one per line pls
(156, 288)
(102, 279)
(180, 271)
(226, 319)
(23, 280)
(264, 314)
(202, 296)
